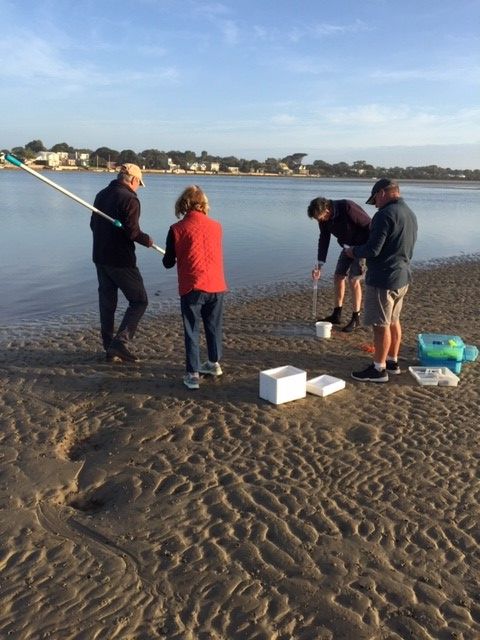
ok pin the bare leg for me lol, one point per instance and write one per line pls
(395, 340)
(356, 291)
(339, 283)
(382, 340)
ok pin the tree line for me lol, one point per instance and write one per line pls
(155, 159)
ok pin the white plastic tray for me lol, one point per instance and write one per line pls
(324, 385)
(440, 376)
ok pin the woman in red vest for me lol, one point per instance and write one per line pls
(195, 245)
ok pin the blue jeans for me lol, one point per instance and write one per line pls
(197, 306)
(129, 281)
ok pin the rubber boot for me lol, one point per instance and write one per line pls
(353, 324)
(335, 317)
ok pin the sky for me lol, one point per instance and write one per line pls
(388, 82)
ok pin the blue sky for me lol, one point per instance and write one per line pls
(392, 83)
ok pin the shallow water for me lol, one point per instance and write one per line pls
(45, 254)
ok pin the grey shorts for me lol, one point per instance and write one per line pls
(383, 306)
(354, 267)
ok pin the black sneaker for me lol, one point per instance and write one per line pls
(352, 325)
(370, 374)
(334, 318)
(393, 367)
(117, 351)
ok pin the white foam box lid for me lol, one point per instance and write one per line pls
(439, 376)
(283, 384)
(324, 385)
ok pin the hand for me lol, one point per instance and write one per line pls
(150, 242)
(316, 273)
(348, 252)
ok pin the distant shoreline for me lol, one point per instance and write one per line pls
(163, 172)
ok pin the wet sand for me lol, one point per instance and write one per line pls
(135, 509)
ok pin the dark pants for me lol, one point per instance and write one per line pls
(129, 281)
(197, 307)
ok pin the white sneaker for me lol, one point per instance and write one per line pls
(211, 368)
(191, 381)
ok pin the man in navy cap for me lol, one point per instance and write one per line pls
(388, 252)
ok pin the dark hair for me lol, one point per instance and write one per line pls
(317, 206)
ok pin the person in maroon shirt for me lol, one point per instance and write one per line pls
(350, 225)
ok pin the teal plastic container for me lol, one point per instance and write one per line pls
(439, 350)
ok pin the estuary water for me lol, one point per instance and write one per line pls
(45, 245)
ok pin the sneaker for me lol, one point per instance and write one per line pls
(334, 318)
(191, 381)
(211, 368)
(118, 352)
(352, 325)
(393, 367)
(370, 374)
(110, 357)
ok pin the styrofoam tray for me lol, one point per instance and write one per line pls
(324, 385)
(440, 376)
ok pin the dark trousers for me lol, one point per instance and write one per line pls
(129, 281)
(207, 308)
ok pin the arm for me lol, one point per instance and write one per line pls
(169, 259)
(323, 243)
(131, 224)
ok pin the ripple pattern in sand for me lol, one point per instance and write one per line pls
(135, 510)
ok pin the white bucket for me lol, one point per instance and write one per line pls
(323, 329)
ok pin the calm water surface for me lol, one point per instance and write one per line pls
(45, 255)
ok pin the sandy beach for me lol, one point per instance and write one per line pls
(135, 509)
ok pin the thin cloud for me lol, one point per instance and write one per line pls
(302, 65)
(327, 30)
(215, 13)
(42, 61)
(466, 73)
(283, 119)
(212, 9)
(38, 61)
(230, 31)
(371, 114)
(152, 50)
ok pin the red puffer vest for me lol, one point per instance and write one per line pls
(198, 248)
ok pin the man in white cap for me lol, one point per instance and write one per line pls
(388, 252)
(115, 261)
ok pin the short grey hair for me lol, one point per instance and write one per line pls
(125, 177)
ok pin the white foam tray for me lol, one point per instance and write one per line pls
(324, 385)
(440, 376)
(283, 384)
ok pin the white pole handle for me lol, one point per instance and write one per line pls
(157, 248)
(15, 161)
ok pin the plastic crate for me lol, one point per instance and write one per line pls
(440, 350)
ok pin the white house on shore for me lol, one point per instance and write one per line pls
(54, 159)
(48, 158)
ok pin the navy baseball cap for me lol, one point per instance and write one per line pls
(383, 183)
